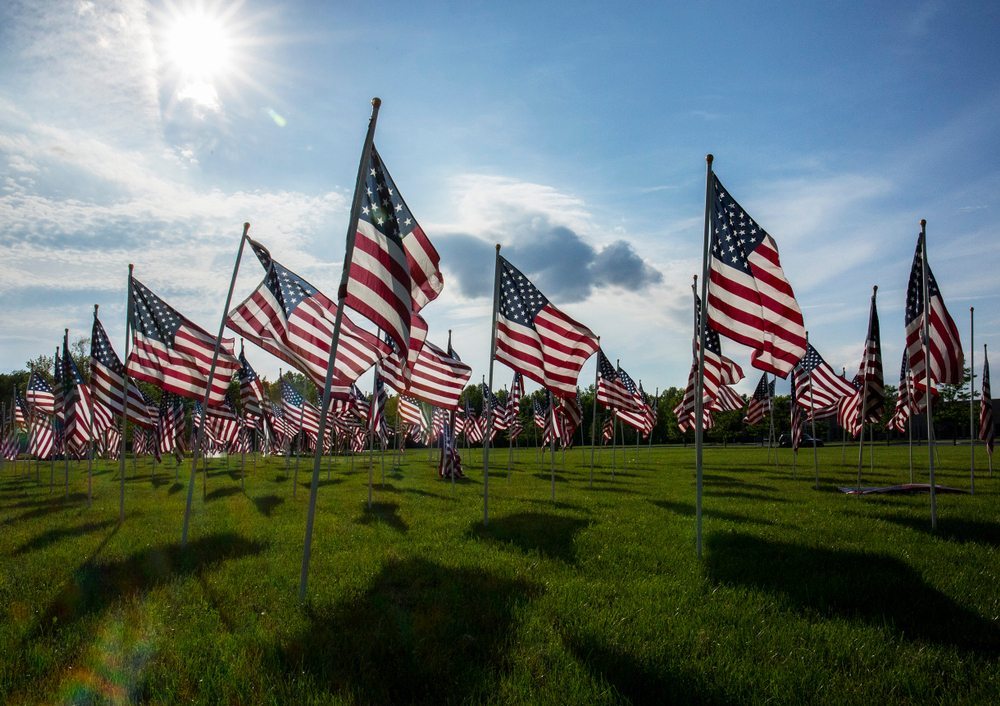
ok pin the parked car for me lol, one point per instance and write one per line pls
(785, 441)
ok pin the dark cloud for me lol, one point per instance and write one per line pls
(564, 266)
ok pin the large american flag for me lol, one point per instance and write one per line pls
(535, 338)
(39, 395)
(608, 429)
(106, 377)
(944, 344)
(394, 268)
(451, 463)
(173, 353)
(987, 430)
(78, 409)
(376, 419)
(728, 400)
(749, 299)
(251, 388)
(409, 411)
(292, 320)
(820, 388)
(760, 402)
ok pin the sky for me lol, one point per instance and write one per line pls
(573, 134)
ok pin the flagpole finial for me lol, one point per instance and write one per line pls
(874, 290)
(95, 310)
(709, 158)
(498, 248)
(246, 227)
(376, 102)
(923, 222)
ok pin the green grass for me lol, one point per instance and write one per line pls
(802, 595)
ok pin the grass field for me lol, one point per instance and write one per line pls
(802, 595)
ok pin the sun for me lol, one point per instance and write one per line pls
(199, 46)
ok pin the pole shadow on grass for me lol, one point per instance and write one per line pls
(420, 633)
(96, 584)
(224, 492)
(55, 535)
(550, 535)
(382, 512)
(837, 583)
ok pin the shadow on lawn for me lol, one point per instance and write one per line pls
(54, 535)
(421, 633)
(687, 509)
(266, 504)
(876, 588)
(224, 492)
(951, 529)
(387, 513)
(641, 682)
(550, 535)
(95, 585)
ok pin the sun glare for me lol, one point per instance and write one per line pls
(199, 46)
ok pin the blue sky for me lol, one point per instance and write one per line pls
(572, 133)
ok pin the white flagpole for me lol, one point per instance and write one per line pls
(323, 412)
(199, 439)
(770, 432)
(699, 425)
(989, 454)
(926, 340)
(489, 414)
(972, 400)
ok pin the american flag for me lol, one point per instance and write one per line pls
(397, 367)
(39, 395)
(438, 421)
(109, 444)
(535, 338)
(651, 404)
(820, 388)
(376, 420)
(719, 371)
(59, 394)
(728, 400)
(611, 390)
(41, 437)
(173, 353)
(570, 416)
(608, 429)
(796, 419)
(106, 378)
(251, 388)
(300, 414)
(451, 463)
(170, 422)
(224, 423)
(498, 411)
(475, 428)
(394, 268)
(436, 377)
(539, 414)
(987, 431)
(870, 378)
(21, 413)
(10, 445)
(76, 403)
(410, 412)
(749, 299)
(944, 344)
(636, 413)
(292, 320)
(514, 398)
(904, 399)
(760, 402)
(280, 429)
(552, 429)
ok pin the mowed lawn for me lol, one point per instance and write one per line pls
(802, 595)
